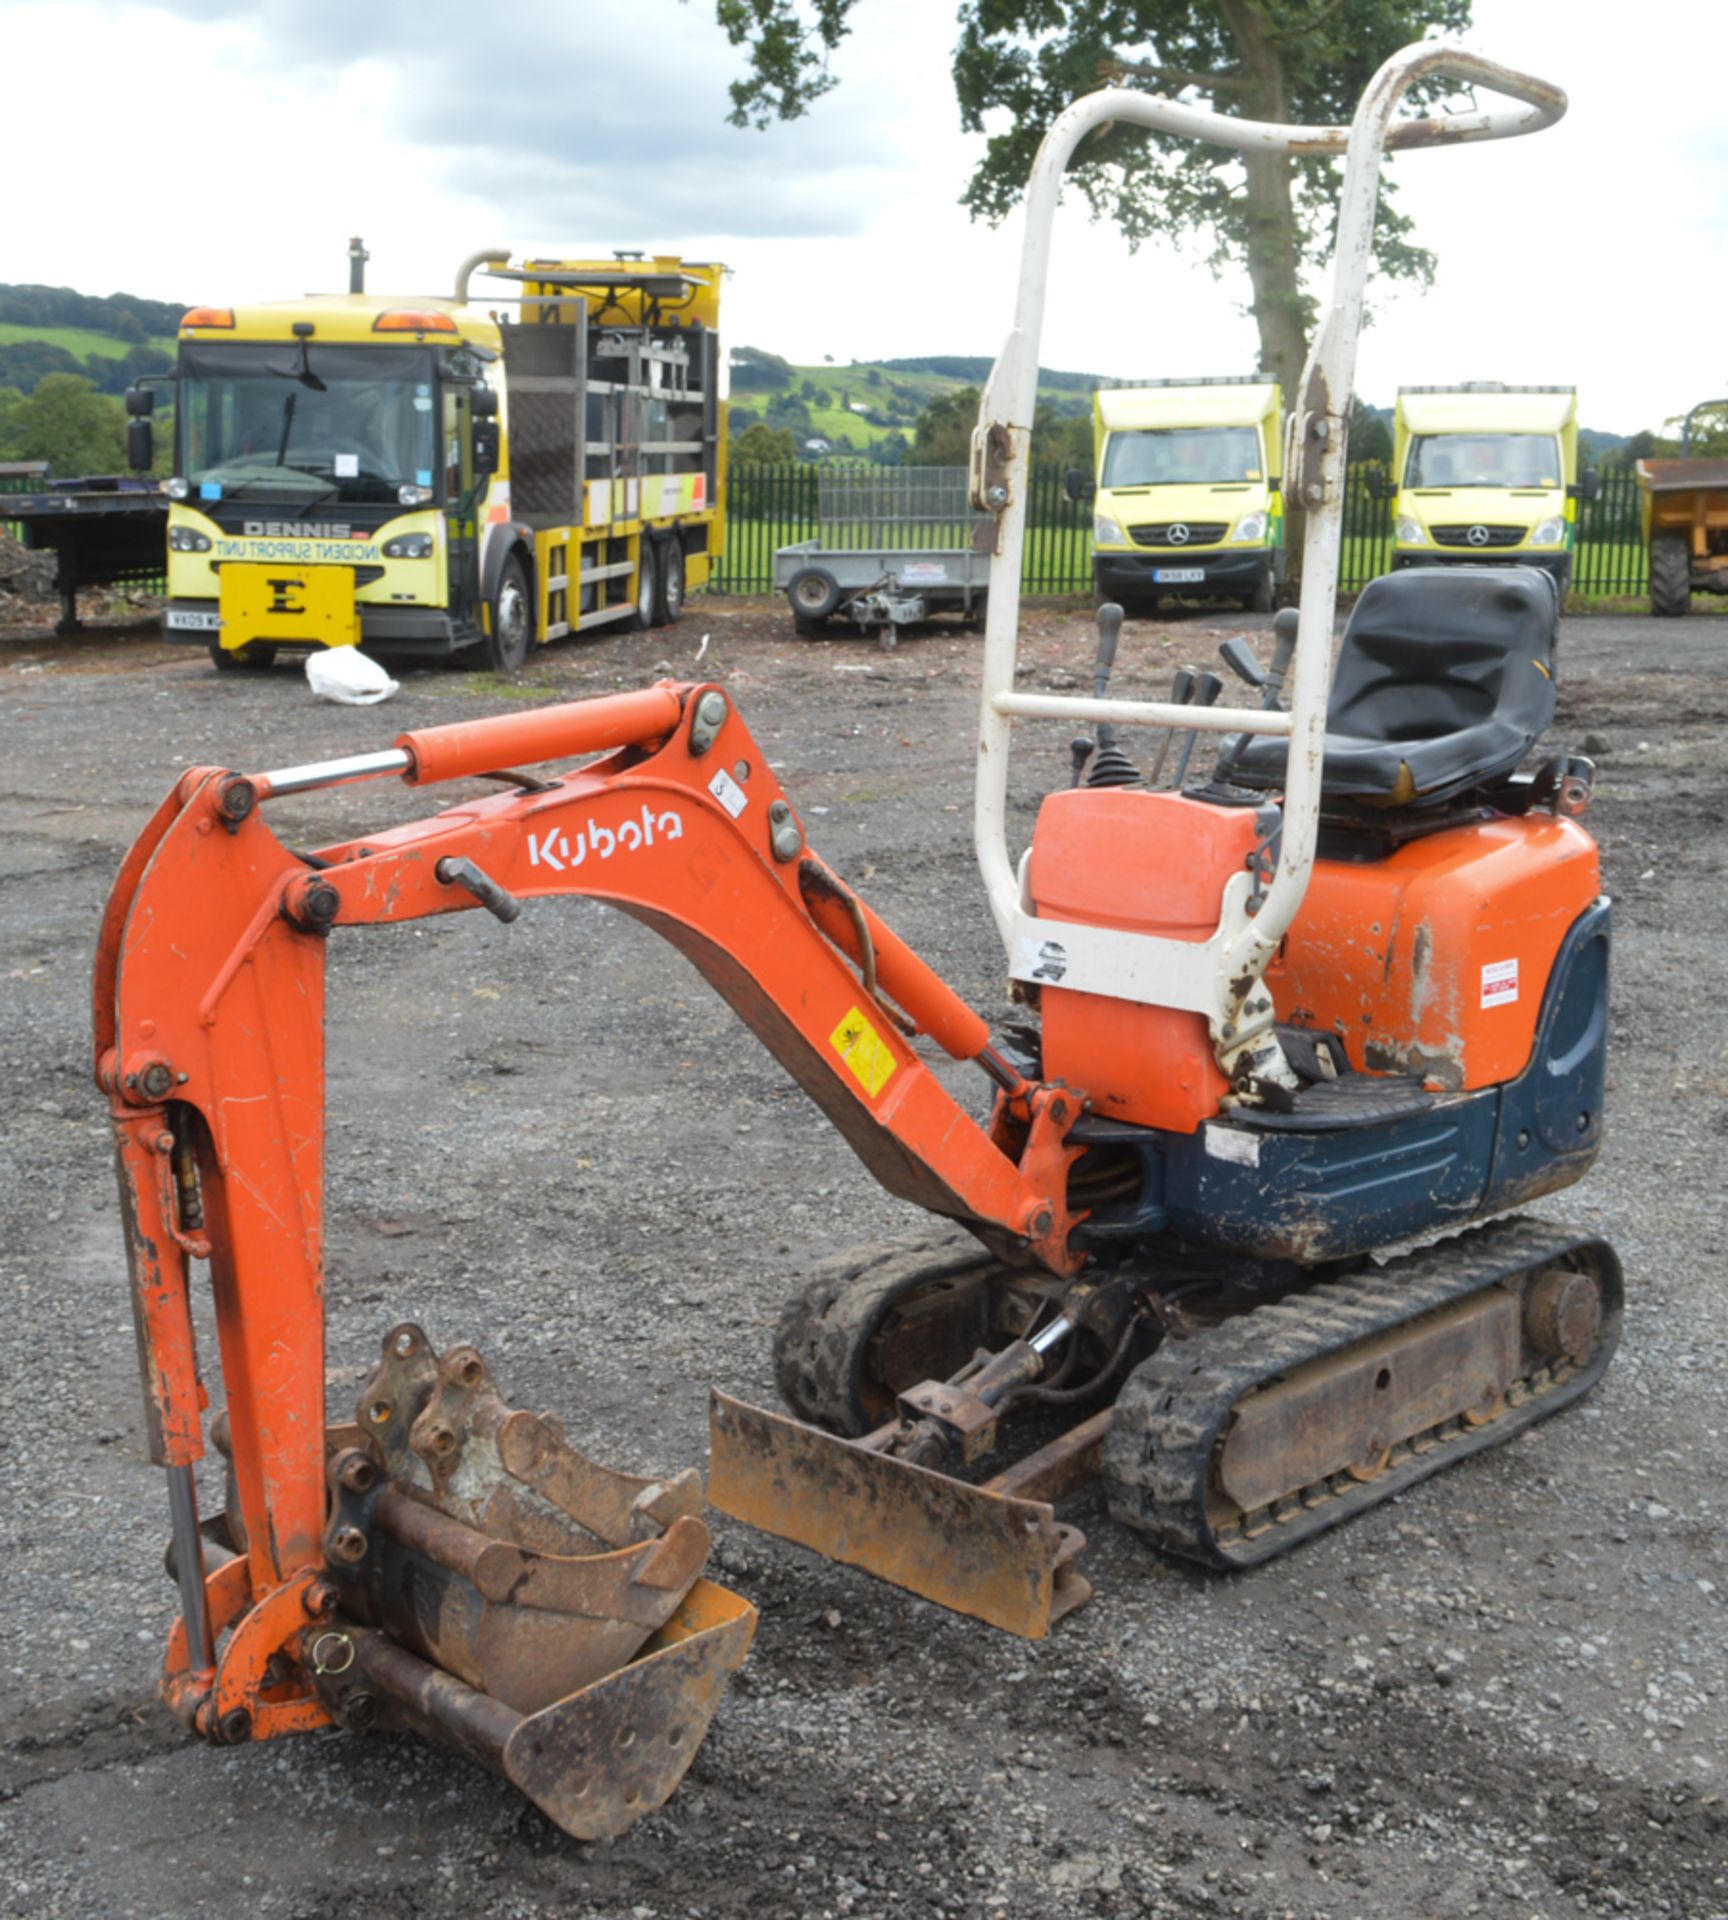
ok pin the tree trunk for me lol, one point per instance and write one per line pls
(1274, 267)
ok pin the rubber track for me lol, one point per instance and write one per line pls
(820, 1343)
(1175, 1406)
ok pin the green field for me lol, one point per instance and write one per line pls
(79, 341)
(903, 394)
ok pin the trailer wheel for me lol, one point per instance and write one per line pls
(671, 603)
(1670, 575)
(814, 593)
(505, 648)
(647, 586)
(232, 659)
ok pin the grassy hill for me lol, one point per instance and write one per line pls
(894, 395)
(80, 341)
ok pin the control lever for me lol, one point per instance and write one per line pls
(1181, 692)
(1111, 767)
(1206, 689)
(454, 870)
(1242, 661)
(1269, 679)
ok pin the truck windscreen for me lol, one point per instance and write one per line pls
(300, 422)
(1181, 456)
(1483, 460)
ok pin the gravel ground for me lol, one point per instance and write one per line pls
(1503, 1694)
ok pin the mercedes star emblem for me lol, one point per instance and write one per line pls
(1477, 536)
(1178, 535)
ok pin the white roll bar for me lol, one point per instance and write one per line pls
(1217, 977)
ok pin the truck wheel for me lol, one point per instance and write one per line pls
(1260, 600)
(505, 648)
(1670, 575)
(647, 586)
(671, 582)
(813, 593)
(232, 659)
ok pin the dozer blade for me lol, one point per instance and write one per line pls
(1003, 1560)
(594, 1762)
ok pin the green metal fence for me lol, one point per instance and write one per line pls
(773, 506)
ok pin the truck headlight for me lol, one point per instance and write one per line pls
(1252, 526)
(409, 546)
(178, 488)
(413, 496)
(1411, 533)
(1106, 532)
(1547, 533)
(188, 540)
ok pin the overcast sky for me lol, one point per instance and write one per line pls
(209, 150)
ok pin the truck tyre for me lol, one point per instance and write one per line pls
(1261, 599)
(813, 594)
(505, 648)
(1670, 575)
(671, 603)
(647, 586)
(232, 659)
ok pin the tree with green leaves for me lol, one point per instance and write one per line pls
(1301, 61)
(762, 445)
(66, 422)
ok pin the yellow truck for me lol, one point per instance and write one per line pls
(431, 476)
(1487, 473)
(1184, 491)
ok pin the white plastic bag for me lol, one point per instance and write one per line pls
(344, 674)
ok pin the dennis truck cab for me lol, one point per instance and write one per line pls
(1184, 491)
(428, 476)
(1487, 473)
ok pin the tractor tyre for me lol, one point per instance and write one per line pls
(671, 602)
(647, 608)
(505, 648)
(1670, 575)
(233, 659)
(813, 594)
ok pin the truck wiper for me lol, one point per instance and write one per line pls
(303, 373)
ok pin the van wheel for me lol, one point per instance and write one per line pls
(232, 659)
(647, 586)
(671, 582)
(1670, 575)
(505, 648)
(1260, 600)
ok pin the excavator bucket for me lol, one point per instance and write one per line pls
(980, 1550)
(502, 1594)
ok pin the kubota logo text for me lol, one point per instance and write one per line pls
(556, 849)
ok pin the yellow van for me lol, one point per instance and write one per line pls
(1184, 491)
(1487, 473)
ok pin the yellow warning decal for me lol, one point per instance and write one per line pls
(860, 1046)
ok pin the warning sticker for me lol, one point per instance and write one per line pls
(728, 792)
(1499, 983)
(860, 1046)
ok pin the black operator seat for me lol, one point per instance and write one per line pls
(1444, 682)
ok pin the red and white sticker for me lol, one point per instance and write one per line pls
(1499, 983)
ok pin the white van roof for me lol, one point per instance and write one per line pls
(1224, 404)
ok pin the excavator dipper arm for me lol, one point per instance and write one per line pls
(210, 1047)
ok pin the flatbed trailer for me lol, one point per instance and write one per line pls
(894, 546)
(103, 531)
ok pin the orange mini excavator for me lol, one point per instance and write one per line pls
(1300, 1036)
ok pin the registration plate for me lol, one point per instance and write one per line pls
(194, 620)
(1178, 576)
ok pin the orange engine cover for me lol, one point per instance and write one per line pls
(1149, 863)
(1433, 960)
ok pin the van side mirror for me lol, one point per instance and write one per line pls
(140, 444)
(1587, 485)
(1079, 485)
(1375, 481)
(140, 402)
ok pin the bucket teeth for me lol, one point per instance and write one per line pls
(505, 1594)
